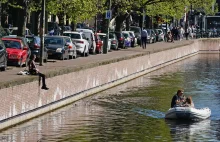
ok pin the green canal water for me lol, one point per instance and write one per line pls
(134, 111)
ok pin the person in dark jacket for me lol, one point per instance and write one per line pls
(33, 70)
(177, 99)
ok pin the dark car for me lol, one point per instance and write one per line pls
(137, 33)
(114, 41)
(34, 45)
(121, 39)
(151, 38)
(57, 47)
(3, 56)
(53, 26)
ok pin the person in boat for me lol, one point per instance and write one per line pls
(178, 99)
(189, 102)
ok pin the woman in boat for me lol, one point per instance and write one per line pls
(189, 102)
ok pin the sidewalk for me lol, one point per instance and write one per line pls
(56, 67)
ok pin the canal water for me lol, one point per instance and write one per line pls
(134, 111)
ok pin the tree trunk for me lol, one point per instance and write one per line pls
(127, 23)
(119, 22)
(22, 14)
(61, 21)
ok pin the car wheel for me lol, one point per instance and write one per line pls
(26, 62)
(75, 55)
(62, 56)
(5, 67)
(46, 58)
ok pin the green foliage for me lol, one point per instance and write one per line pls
(77, 10)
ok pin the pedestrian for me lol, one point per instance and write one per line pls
(144, 35)
(33, 70)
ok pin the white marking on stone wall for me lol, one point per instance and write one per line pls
(23, 108)
(14, 110)
(39, 102)
(121, 74)
(57, 93)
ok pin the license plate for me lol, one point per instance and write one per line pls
(49, 53)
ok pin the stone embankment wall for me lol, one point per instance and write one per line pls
(22, 102)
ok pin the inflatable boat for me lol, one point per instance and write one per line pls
(188, 113)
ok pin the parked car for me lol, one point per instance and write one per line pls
(3, 56)
(59, 46)
(159, 34)
(99, 44)
(89, 34)
(114, 40)
(134, 39)
(103, 38)
(18, 51)
(137, 33)
(14, 31)
(151, 38)
(67, 28)
(34, 45)
(3, 32)
(128, 38)
(121, 39)
(7, 31)
(53, 26)
(82, 45)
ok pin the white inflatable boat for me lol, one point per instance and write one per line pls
(188, 113)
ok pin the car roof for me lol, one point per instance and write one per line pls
(84, 30)
(13, 37)
(19, 40)
(16, 28)
(101, 33)
(73, 32)
(58, 36)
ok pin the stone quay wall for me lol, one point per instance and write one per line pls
(22, 102)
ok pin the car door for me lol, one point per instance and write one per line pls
(66, 46)
(24, 51)
(3, 54)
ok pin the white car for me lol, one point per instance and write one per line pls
(82, 45)
(102, 36)
(90, 38)
(128, 38)
(72, 48)
(14, 31)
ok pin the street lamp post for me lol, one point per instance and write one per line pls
(105, 49)
(42, 25)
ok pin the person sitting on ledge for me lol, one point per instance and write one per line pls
(33, 70)
(178, 99)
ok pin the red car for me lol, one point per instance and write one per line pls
(18, 51)
(99, 44)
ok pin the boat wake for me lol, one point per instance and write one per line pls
(150, 113)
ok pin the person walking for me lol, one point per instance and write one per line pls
(33, 70)
(144, 35)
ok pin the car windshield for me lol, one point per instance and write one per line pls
(111, 35)
(102, 37)
(30, 40)
(125, 35)
(53, 40)
(88, 35)
(14, 32)
(74, 36)
(135, 29)
(12, 44)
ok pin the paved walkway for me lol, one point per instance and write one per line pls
(53, 65)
